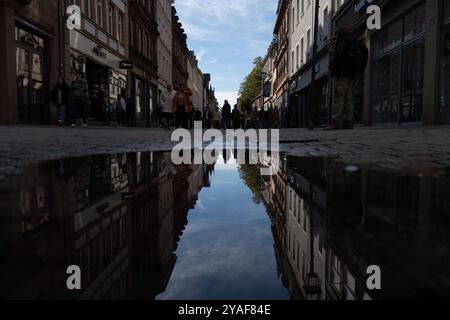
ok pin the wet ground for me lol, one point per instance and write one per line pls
(141, 228)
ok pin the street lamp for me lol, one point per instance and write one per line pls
(264, 76)
(313, 284)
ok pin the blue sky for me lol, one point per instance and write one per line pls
(227, 36)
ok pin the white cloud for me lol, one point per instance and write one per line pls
(231, 96)
(200, 54)
(226, 20)
(211, 61)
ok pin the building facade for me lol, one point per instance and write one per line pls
(195, 81)
(301, 33)
(406, 79)
(280, 55)
(180, 52)
(143, 51)
(121, 46)
(164, 43)
(96, 51)
(31, 55)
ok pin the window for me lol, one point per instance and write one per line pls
(298, 11)
(110, 19)
(293, 69)
(302, 50)
(86, 7)
(145, 47)
(326, 25)
(308, 42)
(119, 27)
(133, 33)
(99, 13)
(305, 220)
(398, 70)
(140, 40)
(297, 56)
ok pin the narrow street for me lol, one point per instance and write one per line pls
(410, 149)
(225, 159)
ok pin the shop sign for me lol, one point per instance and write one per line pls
(293, 85)
(267, 90)
(362, 4)
(126, 65)
(98, 51)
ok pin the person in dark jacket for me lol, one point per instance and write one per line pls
(60, 96)
(80, 101)
(343, 71)
(226, 115)
(236, 118)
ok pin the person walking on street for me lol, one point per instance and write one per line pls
(60, 96)
(167, 97)
(226, 114)
(181, 106)
(349, 58)
(79, 101)
(236, 118)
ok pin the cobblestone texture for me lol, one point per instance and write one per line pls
(408, 149)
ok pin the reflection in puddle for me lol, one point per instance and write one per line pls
(142, 228)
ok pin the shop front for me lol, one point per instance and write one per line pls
(391, 91)
(102, 70)
(143, 97)
(32, 75)
(300, 95)
(398, 59)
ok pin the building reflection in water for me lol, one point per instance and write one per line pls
(117, 217)
(330, 224)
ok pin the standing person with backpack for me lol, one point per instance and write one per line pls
(349, 59)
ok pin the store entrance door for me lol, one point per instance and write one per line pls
(98, 79)
(31, 78)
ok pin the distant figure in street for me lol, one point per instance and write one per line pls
(167, 97)
(216, 117)
(349, 58)
(226, 114)
(254, 116)
(181, 106)
(121, 107)
(236, 118)
(198, 115)
(79, 101)
(60, 96)
(262, 117)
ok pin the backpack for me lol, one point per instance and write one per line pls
(358, 54)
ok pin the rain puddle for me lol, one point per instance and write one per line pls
(139, 227)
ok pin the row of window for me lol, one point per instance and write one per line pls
(141, 40)
(301, 52)
(105, 14)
